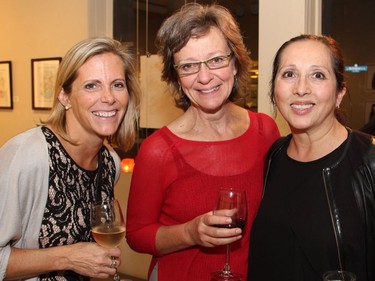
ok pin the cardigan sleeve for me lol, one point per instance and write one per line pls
(23, 189)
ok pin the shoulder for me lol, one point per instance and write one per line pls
(263, 118)
(360, 141)
(116, 159)
(161, 138)
(30, 143)
(267, 125)
(158, 148)
(279, 144)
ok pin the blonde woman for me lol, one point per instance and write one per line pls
(49, 175)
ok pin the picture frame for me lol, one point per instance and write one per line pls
(43, 76)
(6, 95)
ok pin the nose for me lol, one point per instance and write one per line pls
(204, 74)
(107, 96)
(302, 87)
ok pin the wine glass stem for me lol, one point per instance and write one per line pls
(227, 265)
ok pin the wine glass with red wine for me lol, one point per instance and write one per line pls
(108, 225)
(231, 203)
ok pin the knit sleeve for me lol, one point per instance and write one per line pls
(148, 183)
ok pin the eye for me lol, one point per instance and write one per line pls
(186, 67)
(90, 86)
(217, 61)
(288, 74)
(119, 85)
(319, 75)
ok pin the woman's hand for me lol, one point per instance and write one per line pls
(199, 231)
(203, 230)
(88, 259)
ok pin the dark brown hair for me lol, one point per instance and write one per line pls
(337, 63)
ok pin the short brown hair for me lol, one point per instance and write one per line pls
(192, 20)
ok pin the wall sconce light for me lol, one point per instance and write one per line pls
(127, 165)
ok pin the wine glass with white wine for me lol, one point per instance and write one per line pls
(108, 225)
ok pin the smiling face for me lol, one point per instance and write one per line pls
(98, 99)
(208, 89)
(305, 86)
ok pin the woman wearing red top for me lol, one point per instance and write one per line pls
(214, 144)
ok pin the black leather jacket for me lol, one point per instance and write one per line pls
(360, 152)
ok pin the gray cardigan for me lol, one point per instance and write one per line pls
(24, 172)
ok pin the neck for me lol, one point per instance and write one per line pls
(307, 147)
(86, 156)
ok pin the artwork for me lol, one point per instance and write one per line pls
(43, 72)
(6, 100)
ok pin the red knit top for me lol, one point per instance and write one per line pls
(176, 180)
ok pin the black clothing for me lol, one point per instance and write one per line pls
(71, 192)
(316, 216)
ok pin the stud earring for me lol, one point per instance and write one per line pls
(68, 106)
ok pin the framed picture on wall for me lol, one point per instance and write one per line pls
(6, 100)
(43, 76)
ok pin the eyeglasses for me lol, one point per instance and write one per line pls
(188, 68)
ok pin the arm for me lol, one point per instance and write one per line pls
(23, 185)
(88, 259)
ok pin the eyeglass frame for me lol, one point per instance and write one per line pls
(178, 66)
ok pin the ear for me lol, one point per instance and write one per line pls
(340, 96)
(63, 98)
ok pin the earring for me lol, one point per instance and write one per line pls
(68, 106)
(235, 84)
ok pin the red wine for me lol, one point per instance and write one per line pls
(235, 223)
(108, 236)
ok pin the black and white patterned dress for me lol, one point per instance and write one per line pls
(71, 191)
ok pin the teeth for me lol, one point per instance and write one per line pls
(211, 90)
(104, 113)
(302, 106)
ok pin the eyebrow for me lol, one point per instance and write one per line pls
(212, 55)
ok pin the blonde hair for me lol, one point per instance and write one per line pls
(125, 135)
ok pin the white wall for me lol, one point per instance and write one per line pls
(278, 22)
(42, 29)
(34, 29)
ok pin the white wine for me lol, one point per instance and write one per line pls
(108, 236)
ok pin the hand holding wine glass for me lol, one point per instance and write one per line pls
(231, 203)
(108, 225)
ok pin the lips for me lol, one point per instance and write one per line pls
(210, 90)
(302, 106)
(105, 113)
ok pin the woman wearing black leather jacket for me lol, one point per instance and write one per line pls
(317, 212)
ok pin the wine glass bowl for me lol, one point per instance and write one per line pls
(108, 224)
(231, 203)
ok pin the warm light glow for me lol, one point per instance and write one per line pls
(127, 165)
